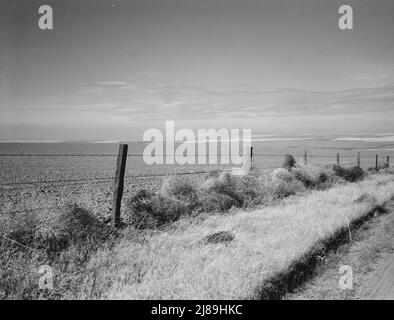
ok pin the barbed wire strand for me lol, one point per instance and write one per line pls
(26, 210)
(65, 182)
(161, 155)
(18, 243)
(105, 178)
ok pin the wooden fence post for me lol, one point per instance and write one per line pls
(305, 157)
(251, 156)
(118, 183)
(358, 160)
(338, 159)
(388, 161)
(376, 162)
(247, 161)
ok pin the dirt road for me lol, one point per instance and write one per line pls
(370, 254)
(380, 282)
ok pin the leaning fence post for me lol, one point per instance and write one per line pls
(358, 160)
(338, 159)
(118, 183)
(376, 162)
(305, 157)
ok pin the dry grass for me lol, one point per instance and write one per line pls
(369, 243)
(183, 197)
(63, 237)
(90, 260)
(178, 264)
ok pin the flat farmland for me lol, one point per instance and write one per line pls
(33, 176)
(36, 175)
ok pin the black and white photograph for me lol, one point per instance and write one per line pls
(216, 151)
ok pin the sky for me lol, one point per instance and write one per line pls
(112, 69)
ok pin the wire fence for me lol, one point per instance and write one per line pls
(78, 183)
(62, 182)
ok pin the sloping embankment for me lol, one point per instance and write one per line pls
(273, 250)
(304, 268)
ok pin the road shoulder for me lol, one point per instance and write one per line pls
(369, 254)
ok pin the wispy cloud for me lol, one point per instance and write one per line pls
(246, 101)
(367, 139)
(101, 87)
(112, 83)
(105, 86)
